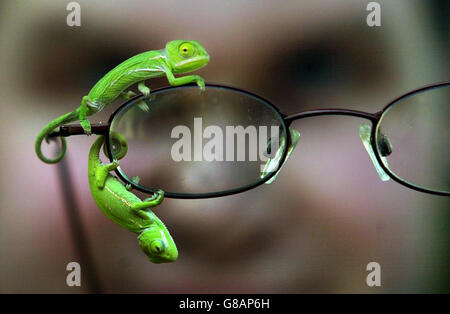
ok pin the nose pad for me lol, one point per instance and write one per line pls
(365, 131)
(272, 163)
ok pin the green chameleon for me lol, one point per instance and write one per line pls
(126, 209)
(179, 56)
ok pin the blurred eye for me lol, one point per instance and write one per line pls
(157, 246)
(324, 67)
(186, 50)
(86, 57)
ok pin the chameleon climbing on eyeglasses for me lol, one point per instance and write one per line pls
(115, 199)
(179, 56)
(124, 208)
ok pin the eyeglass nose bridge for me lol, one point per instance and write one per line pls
(365, 130)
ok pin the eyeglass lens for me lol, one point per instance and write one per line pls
(414, 136)
(184, 141)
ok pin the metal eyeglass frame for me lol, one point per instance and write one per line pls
(286, 120)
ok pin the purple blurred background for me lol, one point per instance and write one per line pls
(314, 230)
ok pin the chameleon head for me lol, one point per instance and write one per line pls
(186, 55)
(157, 244)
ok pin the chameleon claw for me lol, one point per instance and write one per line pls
(157, 195)
(144, 89)
(135, 180)
(150, 199)
(201, 84)
(143, 106)
(86, 127)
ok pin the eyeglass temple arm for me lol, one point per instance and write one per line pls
(365, 131)
(77, 129)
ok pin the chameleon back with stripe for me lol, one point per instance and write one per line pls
(133, 70)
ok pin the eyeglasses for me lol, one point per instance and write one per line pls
(226, 140)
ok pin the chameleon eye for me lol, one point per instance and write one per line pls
(186, 50)
(157, 246)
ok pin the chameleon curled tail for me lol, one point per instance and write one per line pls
(66, 118)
